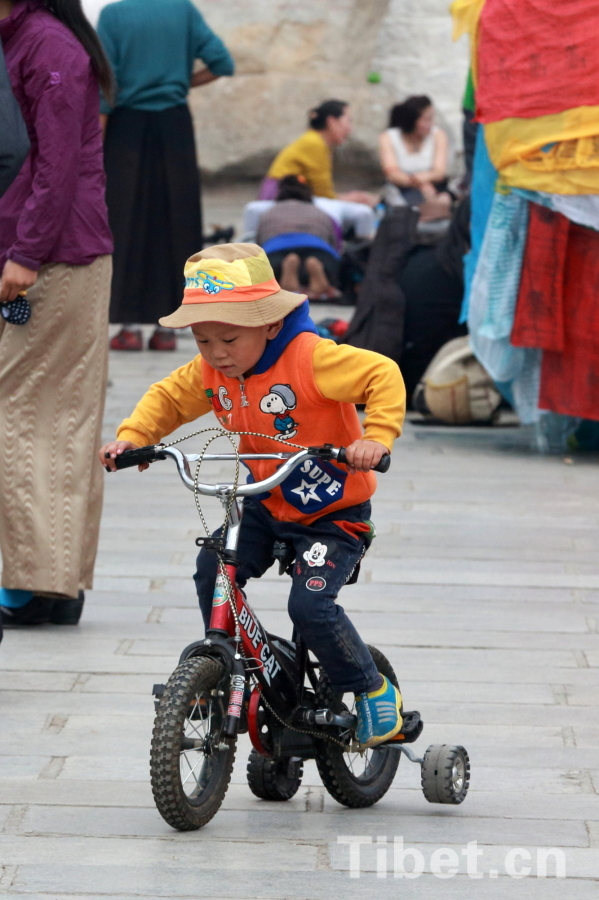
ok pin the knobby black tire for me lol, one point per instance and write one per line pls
(332, 761)
(195, 676)
(274, 779)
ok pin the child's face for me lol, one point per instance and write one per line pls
(233, 349)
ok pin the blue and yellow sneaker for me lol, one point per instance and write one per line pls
(379, 715)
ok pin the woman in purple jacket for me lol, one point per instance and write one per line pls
(56, 245)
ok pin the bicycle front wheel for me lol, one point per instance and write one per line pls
(190, 760)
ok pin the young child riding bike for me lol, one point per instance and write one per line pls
(263, 368)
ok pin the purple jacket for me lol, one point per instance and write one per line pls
(55, 210)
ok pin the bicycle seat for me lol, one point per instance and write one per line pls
(285, 554)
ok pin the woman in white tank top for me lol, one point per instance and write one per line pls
(413, 154)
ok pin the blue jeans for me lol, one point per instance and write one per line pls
(325, 558)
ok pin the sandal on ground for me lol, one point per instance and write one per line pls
(127, 340)
(162, 340)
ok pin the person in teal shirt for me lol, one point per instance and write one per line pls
(152, 46)
(153, 187)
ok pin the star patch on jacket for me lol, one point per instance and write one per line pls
(314, 486)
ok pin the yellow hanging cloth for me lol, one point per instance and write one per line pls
(558, 153)
(466, 15)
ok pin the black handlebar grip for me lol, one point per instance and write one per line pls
(138, 457)
(383, 465)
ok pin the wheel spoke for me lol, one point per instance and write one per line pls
(194, 729)
(203, 726)
(201, 729)
(192, 770)
(185, 780)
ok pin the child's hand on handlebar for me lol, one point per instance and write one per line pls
(362, 455)
(109, 453)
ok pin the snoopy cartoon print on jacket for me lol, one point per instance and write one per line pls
(287, 397)
(279, 402)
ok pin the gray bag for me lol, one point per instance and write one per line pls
(455, 388)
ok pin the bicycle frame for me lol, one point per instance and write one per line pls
(281, 690)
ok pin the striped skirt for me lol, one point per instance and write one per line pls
(53, 373)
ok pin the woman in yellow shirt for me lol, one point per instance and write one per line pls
(310, 157)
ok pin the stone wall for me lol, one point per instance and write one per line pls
(292, 55)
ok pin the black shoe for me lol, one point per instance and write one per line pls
(36, 612)
(67, 611)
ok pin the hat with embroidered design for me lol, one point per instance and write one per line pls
(232, 283)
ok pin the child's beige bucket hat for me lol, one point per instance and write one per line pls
(232, 283)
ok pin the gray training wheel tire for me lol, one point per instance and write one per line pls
(445, 774)
(274, 779)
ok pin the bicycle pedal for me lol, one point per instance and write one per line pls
(411, 729)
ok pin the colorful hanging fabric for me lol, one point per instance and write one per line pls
(466, 16)
(582, 209)
(536, 59)
(557, 310)
(557, 153)
(536, 74)
(507, 228)
(492, 305)
(484, 176)
(538, 321)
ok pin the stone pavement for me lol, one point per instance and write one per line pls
(482, 588)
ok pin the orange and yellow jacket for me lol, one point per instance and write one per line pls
(307, 396)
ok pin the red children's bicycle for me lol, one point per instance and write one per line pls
(241, 678)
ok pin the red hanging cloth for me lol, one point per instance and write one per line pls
(558, 311)
(536, 57)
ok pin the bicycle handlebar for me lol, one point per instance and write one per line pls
(382, 466)
(149, 454)
(139, 456)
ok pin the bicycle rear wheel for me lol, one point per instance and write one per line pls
(190, 761)
(354, 779)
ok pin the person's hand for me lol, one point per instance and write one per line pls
(202, 77)
(362, 455)
(15, 278)
(421, 178)
(109, 453)
(428, 191)
(365, 197)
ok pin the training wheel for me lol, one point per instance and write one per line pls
(445, 774)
